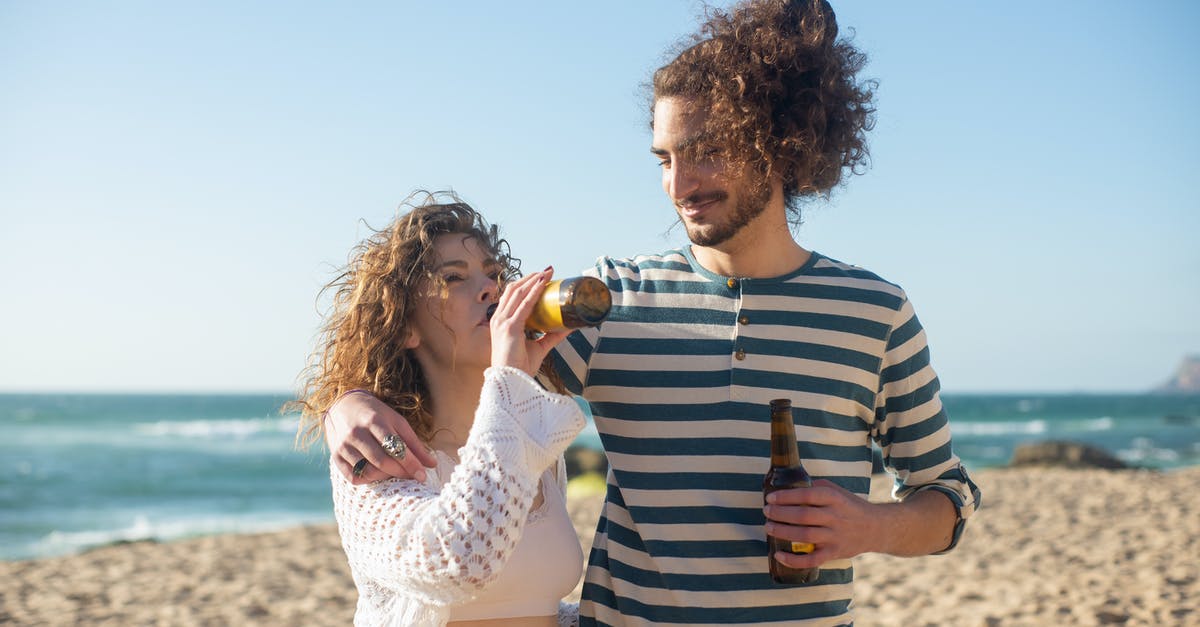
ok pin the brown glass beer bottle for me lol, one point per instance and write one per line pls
(786, 472)
(581, 301)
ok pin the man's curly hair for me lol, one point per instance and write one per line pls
(370, 318)
(780, 93)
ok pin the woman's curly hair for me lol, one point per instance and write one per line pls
(374, 296)
(779, 91)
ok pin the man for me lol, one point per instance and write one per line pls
(759, 115)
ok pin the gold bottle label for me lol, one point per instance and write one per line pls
(570, 304)
(801, 548)
(548, 312)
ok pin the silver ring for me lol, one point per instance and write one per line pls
(395, 446)
(359, 467)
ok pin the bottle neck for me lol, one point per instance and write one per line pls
(784, 451)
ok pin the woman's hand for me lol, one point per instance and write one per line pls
(511, 345)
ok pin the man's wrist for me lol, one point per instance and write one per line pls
(345, 394)
(917, 525)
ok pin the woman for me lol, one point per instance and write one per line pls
(485, 538)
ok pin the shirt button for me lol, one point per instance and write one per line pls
(732, 283)
(743, 320)
(739, 355)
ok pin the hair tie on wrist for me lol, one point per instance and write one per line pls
(349, 392)
(344, 395)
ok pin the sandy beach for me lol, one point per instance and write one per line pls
(1049, 547)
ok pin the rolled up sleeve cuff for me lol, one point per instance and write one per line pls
(965, 496)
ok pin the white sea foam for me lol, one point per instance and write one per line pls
(220, 429)
(1104, 423)
(1007, 427)
(993, 452)
(1027, 405)
(1143, 451)
(143, 528)
(1037, 426)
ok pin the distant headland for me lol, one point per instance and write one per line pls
(1186, 379)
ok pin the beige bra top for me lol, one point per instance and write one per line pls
(543, 569)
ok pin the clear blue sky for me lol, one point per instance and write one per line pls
(178, 179)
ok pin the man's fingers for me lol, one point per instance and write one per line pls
(346, 467)
(797, 515)
(343, 467)
(820, 539)
(359, 445)
(817, 495)
(364, 441)
(348, 459)
(408, 468)
(800, 533)
(388, 422)
(355, 429)
(416, 454)
(423, 455)
(806, 560)
(413, 445)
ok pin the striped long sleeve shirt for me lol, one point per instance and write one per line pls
(679, 378)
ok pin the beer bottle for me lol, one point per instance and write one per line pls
(786, 472)
(571, 303)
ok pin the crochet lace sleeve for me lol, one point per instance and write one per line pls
(443, 545)
(568, 614)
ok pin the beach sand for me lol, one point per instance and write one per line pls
(1049, 547)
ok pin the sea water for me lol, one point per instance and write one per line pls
(78, 471)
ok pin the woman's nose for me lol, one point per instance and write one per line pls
(489, 291)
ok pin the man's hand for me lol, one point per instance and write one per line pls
(354, 429)
(842, 525)
(826, 515)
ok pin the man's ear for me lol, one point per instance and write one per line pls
(413, 340)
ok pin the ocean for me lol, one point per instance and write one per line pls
(84, 470)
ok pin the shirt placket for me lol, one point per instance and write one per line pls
(738, 356)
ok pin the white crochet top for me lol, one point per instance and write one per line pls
(416, 549)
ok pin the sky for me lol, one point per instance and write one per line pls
(178, 180)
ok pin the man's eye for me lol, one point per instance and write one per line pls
(452, 278)
(664, 163)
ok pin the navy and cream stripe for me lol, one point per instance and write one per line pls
(679, 378)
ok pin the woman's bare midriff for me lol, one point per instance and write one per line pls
(524, 621)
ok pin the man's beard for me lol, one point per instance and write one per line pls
(752, 201)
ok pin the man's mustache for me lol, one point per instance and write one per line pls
(699, 199)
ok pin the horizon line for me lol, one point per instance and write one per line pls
(267, 392)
